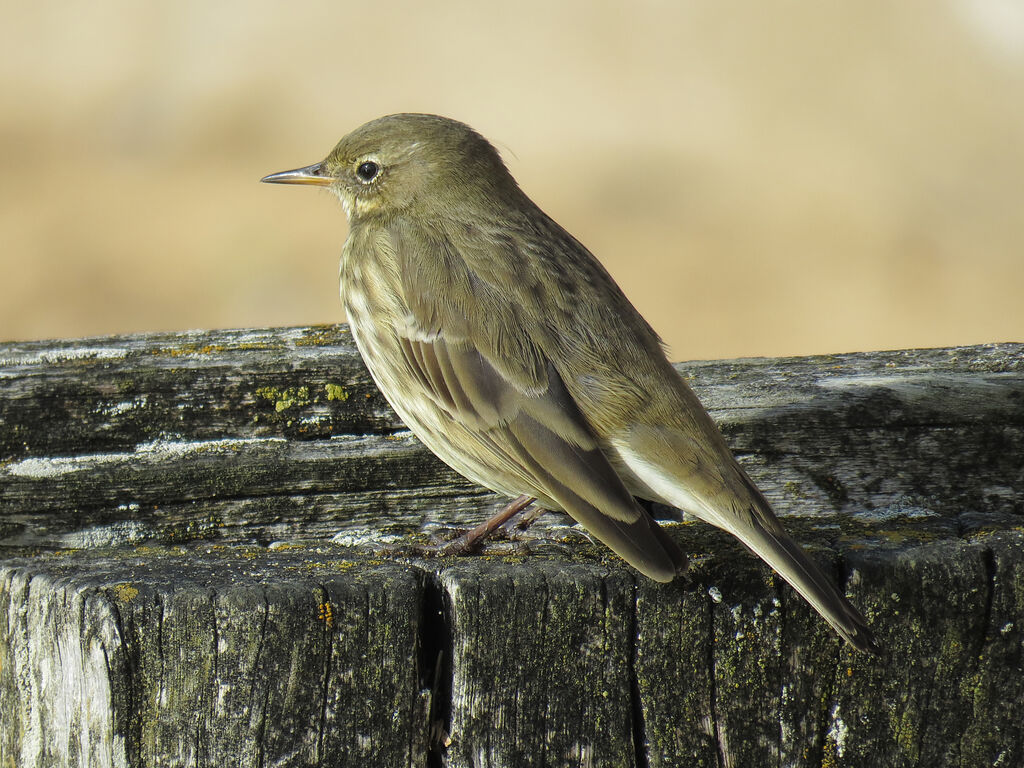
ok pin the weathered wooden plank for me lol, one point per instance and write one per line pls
(901, 470)
(751, 677)
(163, 654)
(245, 418)
(994, 690)
(186, 657)
(541, 665)
(675, 682)
(730, 667)
(113, 393)
(373, 516)
(913, 710)
(232, 490)
(171, 472)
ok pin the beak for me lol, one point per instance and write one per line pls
(311, 174)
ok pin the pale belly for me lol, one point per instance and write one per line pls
(460, 448)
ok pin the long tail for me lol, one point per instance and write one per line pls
(761, 531)
(738, 507)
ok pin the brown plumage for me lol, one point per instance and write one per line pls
(513, 355)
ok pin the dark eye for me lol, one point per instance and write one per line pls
(368, 171)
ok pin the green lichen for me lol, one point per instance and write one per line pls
(336, 392)
(283, 399)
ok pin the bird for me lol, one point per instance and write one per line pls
(511, 353)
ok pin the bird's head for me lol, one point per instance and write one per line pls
(390, 164)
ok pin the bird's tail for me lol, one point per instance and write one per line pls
(762, 533)
(722, 494)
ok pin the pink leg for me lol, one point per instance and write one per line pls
(472, 539)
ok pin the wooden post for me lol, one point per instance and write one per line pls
(201, 565)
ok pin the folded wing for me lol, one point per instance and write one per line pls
(537, 436)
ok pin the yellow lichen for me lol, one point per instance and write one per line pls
(283, 399)
(321, 336)
(189, 349)
(125, 592)
(336, 392)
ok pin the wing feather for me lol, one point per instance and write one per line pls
(498, 406)
(544, 439)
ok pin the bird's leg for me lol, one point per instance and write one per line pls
(470, 540)
(526, 519)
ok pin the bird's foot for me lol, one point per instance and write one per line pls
(504, 521)
(512, 519)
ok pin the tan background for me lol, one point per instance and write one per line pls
(762, 178)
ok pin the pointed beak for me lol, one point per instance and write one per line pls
(311, 174)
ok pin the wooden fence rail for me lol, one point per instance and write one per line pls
(201, 565)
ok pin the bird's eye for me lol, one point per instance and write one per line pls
(368, 171)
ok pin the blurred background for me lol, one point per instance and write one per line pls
(761, 178)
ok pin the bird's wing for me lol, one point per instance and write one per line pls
(476, 362)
